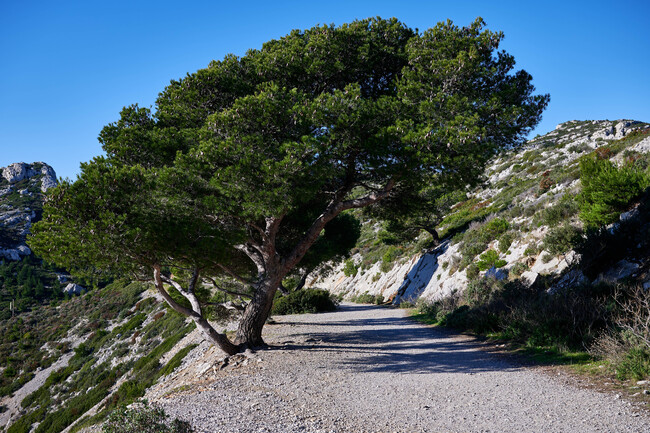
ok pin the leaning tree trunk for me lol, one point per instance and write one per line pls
(249, 333)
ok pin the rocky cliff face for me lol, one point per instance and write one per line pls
(21, 199)
(528, 194)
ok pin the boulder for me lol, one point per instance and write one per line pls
(620, 270)
(572, 278)
(73, 289)
(10, 254)
(497, 273)
(23, 250)
(528, 278)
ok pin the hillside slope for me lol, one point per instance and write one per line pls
(84, 357)
(516, 221)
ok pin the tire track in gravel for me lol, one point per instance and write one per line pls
(371, 369)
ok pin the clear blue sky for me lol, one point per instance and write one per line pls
(67, 68)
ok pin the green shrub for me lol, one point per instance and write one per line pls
(176, 360)
(367, 298)
(552, 216)
(518, 269)
(488, 259)
(462, 215)
(476, 240)
(304, 301)
(561, 239)
(472, 271)
(635, 364)
(143, 419)
(505, 240)
(349, 268)
(607, 190)
(532, 249)
(388, 258)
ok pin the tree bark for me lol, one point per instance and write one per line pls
(249, 332)
(434, 234)
(274, 268)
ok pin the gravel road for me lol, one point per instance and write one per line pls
(371, 369)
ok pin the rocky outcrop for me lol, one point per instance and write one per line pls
(18, 171)
(21, 197)
(439, 273)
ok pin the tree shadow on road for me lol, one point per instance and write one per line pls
(396, 345)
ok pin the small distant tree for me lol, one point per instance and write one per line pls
(245, 165)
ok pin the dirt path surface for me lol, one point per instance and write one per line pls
(371, 369)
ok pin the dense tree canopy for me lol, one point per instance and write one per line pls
(247, 168)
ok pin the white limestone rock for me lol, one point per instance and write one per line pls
(73, 289)
(417, 279)
(23, 250)
(528, 278)
(497, 273)
(49, 178)
(17, 171)
(572, 278)
(6, 190)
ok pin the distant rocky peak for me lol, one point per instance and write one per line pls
(19, 171)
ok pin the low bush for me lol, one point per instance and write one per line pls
(477, 238)
(505, 240)
(532, 317)
(367, 298)
(627, 344)
(143, 418)
(304, 301)
(552, 216)
(518, 269)
(489, 259)
(350, 268)
(561, 239)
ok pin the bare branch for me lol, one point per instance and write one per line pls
(255, 256)
(272, 226)
(193, 281)
(158, 282)
(208, 331)
(230, 292)
(188, 294)
(334, 208)
(370, 198)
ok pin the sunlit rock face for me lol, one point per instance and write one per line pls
(22, 188)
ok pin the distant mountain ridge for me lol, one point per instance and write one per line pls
(22, 187)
